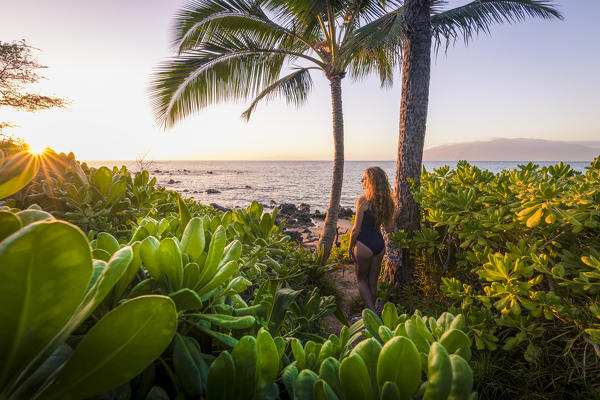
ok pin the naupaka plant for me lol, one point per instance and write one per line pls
(48, 288)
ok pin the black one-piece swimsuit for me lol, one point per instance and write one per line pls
(369, 235)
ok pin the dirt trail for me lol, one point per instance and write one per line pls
(345, 280)
(344, 277)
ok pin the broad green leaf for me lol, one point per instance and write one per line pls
(102, 179)
(191, 275)
(329, 371)
(170, 262)
(228, 321)
(354, 378)
(16, 172)
(117, 191)
(50, 365)
(130, 272)
(267, 364)
(288, 377)
(107, 242)
(462, 379)
(190, 367)
(44, 272)
(149, 254)
(215, 251)
(222, 380)
(439, 373)
(30, 216)
(322, 390)
(245, 357)
(186, 299)
(283, 298)
(192, 240)
(454, 339)
(9, 224)
(184, 212)
(117, 348)
(305, 383)
(222, 276)
(369, 350)
(400, 362)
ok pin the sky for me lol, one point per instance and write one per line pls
(536, 79)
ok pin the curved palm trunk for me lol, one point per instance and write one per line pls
(330, 226)
(416, 65)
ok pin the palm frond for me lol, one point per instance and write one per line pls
(382, 60)
(199, 19)
(221, 70)
(478, 16)
(387, 30)
(294, 88)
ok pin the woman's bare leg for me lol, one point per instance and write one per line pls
(374, 274)
(364, 256)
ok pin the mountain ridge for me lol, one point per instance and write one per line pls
(521, 149)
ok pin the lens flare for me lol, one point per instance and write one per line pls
(37, 148)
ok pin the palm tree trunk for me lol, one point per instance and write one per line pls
(416, 65)
(329, 227)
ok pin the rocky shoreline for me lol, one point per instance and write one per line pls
(302, 225)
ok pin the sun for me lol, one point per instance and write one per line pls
(35, 148)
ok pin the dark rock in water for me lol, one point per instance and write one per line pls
(209, 172)
(295, 236)
(173, 181)
(287, 208)
(157, 171)
(220, 208)
(248, 187)
(345, 213)
(304, 219)
(185, 190)
(304, 208)
(273, 202)
(306, 230)
(212, 191)
(317, 215)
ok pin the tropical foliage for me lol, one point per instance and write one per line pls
(517, 253)
(195, 305)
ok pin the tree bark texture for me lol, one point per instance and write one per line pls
(329, 227)
(416, 64)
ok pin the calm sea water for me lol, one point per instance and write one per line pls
(241, 182)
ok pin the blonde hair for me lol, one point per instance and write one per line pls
(379, 195)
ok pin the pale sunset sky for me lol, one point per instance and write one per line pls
(537, 79)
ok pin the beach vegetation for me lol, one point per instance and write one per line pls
(517, 254)
(509, 293)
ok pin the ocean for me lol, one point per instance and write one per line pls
(237, 183)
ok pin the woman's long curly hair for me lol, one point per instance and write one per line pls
(379, 194)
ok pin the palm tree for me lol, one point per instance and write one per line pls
(260, 49)
(422, 23)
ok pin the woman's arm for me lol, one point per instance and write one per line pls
(389, 226)
(360, 211)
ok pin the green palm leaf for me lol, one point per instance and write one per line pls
(478, 16)
(294, 88)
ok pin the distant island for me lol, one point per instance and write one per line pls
(515, 150)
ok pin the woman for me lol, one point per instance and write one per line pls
(374, 211)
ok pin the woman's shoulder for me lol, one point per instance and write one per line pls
(362, 202)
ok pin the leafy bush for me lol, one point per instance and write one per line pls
(518, 254)
(48, 287)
